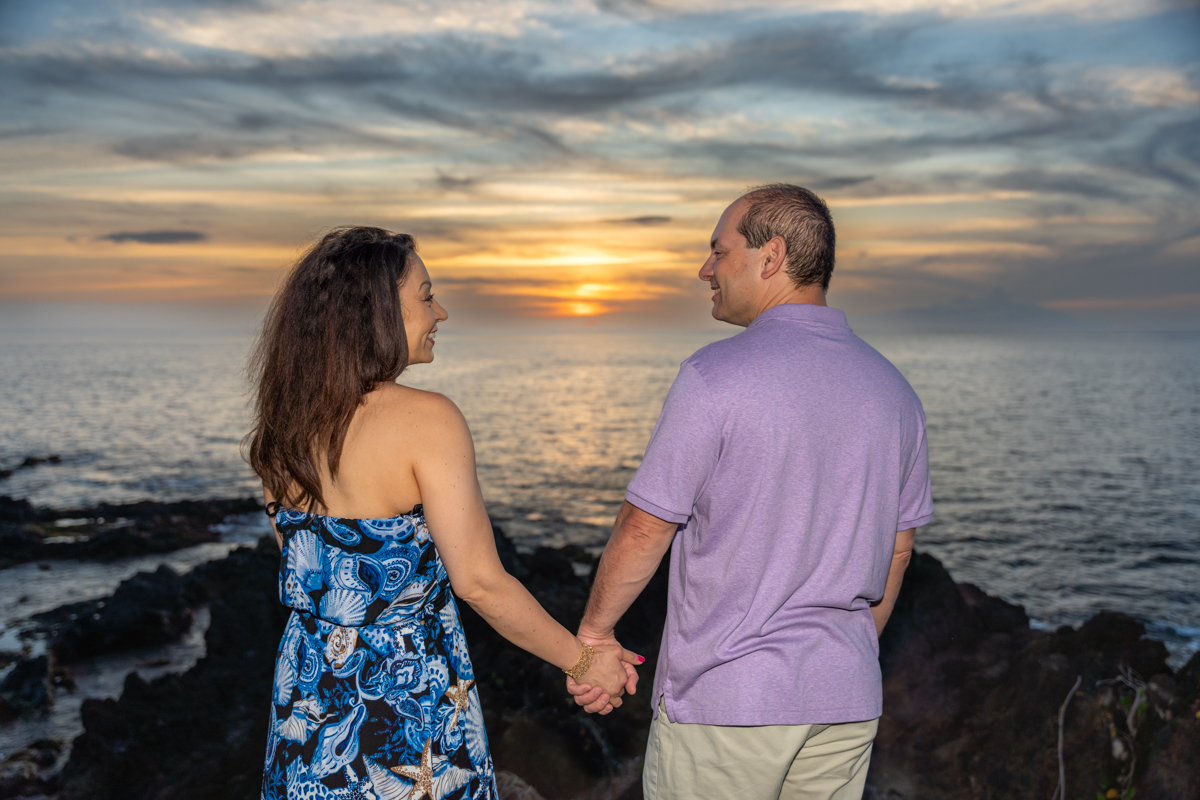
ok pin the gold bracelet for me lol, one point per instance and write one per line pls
(583, 664)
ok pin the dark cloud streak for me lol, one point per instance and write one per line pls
(155, 237)
(647, 220)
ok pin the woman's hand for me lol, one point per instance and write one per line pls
(611, 675)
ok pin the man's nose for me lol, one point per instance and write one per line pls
(706, 269)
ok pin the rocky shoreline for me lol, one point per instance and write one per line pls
(110, 531)
(973, 695)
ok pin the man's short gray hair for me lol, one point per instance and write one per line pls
(802, 219)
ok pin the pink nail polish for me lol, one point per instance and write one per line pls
(641, 659)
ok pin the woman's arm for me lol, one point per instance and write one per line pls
(268, 500)
(462, 532)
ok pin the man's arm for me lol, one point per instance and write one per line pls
(638, 542)
(634, 550)
(900, 558)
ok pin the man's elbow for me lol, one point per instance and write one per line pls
(648, 538)
(641, 530)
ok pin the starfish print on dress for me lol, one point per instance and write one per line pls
(360, 790)
(356, 788)
(421, 776)
(459, 694)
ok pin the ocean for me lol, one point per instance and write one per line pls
(1064, 464)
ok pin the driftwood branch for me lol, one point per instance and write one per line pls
(1060, 792)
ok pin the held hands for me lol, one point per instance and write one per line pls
(611, 674)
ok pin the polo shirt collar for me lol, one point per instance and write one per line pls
(805, 312)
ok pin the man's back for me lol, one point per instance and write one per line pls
(794, 453)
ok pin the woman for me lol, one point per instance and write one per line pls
(378, 512)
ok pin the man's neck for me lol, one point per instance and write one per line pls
(812, 295)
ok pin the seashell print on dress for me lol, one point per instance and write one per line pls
(307, 714)
(401, 527)
(373, 681)
(305, 558)
(344, 607)
(340, 645)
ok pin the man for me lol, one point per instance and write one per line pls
(789, 468)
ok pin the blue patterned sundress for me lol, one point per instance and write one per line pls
(374, 695)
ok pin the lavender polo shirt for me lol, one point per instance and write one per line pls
(790, 455)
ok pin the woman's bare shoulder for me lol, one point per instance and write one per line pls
(403, 410)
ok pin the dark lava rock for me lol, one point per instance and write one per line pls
(16, 510)
(932, 616)
(972, 695)
(145, 610)
(30, 771)
(156, 527)
(201, 734)
(20, 543)
(27, 689)
(971, 699)
(1114, 639)
(1172, 771)
(33, 461)
(509, 557)
(551, 568)
(993, 614)
(112, 531)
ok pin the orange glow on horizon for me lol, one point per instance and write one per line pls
(582, 309)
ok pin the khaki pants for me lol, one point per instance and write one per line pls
(798, 762)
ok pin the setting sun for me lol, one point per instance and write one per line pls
(583, 309)
(595, 289)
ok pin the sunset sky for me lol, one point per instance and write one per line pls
(570, 157)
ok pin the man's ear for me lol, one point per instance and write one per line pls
(774, 256)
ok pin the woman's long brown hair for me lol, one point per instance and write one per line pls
(331, 334)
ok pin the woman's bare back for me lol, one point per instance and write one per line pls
(377, 470)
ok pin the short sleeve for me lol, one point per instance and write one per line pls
(682, 452)
(916, 492)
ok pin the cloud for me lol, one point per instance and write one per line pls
(647, 220)
(188, 147)
(1115, 9)
(453, 184)
(155, 237)
(492, 88)
(1051, 180)
(254, 121)
(1173, 153)
(945, 135)
(840, 183)
(25, 131)
(807, 55)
